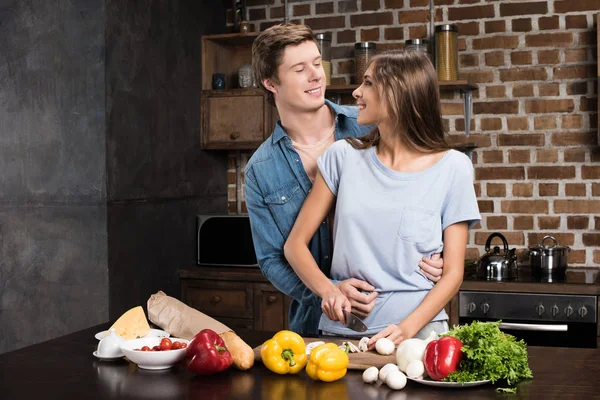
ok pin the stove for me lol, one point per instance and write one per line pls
(540, 319)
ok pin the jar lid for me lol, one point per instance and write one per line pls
(365, 45)
(446, 27)
(323, 36)
(409, 42)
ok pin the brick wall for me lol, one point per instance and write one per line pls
(535, 121)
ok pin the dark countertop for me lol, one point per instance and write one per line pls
(64, 368)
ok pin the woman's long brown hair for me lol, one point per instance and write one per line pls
(408, 88)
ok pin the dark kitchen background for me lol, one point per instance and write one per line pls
(102, 172)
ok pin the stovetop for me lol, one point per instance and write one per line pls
(582, 276)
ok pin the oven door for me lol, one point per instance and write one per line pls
(572, 334)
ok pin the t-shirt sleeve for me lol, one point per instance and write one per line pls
(330, 164)
(461, 202)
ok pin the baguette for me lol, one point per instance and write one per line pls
(242, 354)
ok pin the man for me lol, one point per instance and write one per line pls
(278, 177)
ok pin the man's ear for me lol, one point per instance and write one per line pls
(268, 84)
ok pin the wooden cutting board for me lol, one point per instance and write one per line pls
(358, 361)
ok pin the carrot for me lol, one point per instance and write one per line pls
(242, 354)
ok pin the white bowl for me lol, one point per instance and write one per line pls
(152, 359)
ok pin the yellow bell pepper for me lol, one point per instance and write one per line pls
(327, 363)
(285, 353)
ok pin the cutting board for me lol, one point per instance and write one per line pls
(358, 361)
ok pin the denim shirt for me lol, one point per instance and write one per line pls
(276, 185)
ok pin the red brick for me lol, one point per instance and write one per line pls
(479, 140)
(384, 18)
(574, 72)
(369, 35)
(413, 16)
(576, 257)
(496, 107)
(574, 138)
(495, 26)
(496, 222)
(490, 124)
(588, 104)
(493, 157)
(469, 60)
(525, 139)
(301, 10)
(521, 25)
(350, 36)
(495, 91)
(370, 5)
(495, 190)
(522, 189)
(597, 223)
(496, 42)
(544, 122)
(452, 108)
(591, 239)
(566, 6)
(575, 189)
(494, 58)
(548, 172)
(347, 6)
(523, 8)
(513, 238)
(475, 12)
(548, 189)
(572, 121)
(256, 14)
(519, 156)
(548, 57)
(575, 155)
(546, 155)
(419, 32)
(549, 106)
(468, 28)
(562, 39)
(586, 38)
(576, 206)
(576, 22)
(548, 23)
(523, 74)
(549, 89)
(345, 67)
(525, 90)
(326, 23)
(521, 58)
(485, 206)
(523, 222)
(546, 223)
(477, 187)
(397, 4)
(578, 222)
(459, 124)
(493, 173)
(590, 172)
(596, 191)
(517, 123)
(564, 239)
(576, 88)
(575, 55)
(597, 256)
(394, 33)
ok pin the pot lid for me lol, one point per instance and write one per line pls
(548, 249)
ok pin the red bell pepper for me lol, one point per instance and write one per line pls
(207, 354)
(442, 357)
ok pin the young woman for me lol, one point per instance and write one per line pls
(400, 195)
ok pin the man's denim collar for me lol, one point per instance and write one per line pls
(279, 132)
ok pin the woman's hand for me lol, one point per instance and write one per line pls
(333, 303)
(361, 295)
(395, 332)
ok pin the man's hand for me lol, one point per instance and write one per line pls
(432, 267)
(362, 303)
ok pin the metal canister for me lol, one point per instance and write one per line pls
(549, 258)
(324, 43)
(446, 52)
(363, 52)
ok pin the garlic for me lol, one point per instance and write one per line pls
(362, 345)
(415, 369)
(370, 375)
(395, 380)
(311, 346)
(385, 346)
(386, 370)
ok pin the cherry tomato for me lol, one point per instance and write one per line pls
(156, 348)
(178, 345)
(146, 348)
(165, 344)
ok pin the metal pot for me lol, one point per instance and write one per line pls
(496, 265)
(548, 259)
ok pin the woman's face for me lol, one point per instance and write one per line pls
(371, 110)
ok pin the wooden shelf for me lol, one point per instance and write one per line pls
(446, 85)
(233, 39)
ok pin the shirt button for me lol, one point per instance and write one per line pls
(282, 198)
(326, 257)
(297, 160)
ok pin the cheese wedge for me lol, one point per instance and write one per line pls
(132, 324)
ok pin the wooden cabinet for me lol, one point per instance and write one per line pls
(232, 118)
(238, 297)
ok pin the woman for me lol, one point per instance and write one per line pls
(401, 195)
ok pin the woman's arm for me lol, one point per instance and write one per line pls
(312, 214)
(455, 244)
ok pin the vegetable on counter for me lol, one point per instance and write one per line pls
(206, 354)
(488, 353)
(285, 353)
(442, 357)
(411, 350)
(327, 363)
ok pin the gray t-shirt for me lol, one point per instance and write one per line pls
(386, 221)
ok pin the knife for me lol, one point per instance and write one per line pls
(353, 322)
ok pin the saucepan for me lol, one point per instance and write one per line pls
(548, 258)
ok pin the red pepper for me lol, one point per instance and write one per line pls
(207, 354)
(442, 357)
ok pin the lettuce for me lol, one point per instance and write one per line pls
(489, 354)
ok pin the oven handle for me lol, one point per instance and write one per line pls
(534, 327)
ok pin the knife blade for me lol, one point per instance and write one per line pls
(353, 322)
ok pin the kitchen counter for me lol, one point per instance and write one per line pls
(64, 368)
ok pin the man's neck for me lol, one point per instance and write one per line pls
(308, 127)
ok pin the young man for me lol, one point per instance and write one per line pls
(278, 177)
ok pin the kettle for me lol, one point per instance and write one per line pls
(496, 265)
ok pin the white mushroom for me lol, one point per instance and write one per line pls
(370, 375)
(386, 369)
(311, 346)
(395, 380)
(384, 346)
(362, 345)
(415, 369)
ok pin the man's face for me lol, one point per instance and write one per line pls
(301, 78)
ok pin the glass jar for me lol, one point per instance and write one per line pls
(324, 43)
(446, 52)
(417, 45)
(363, 52)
